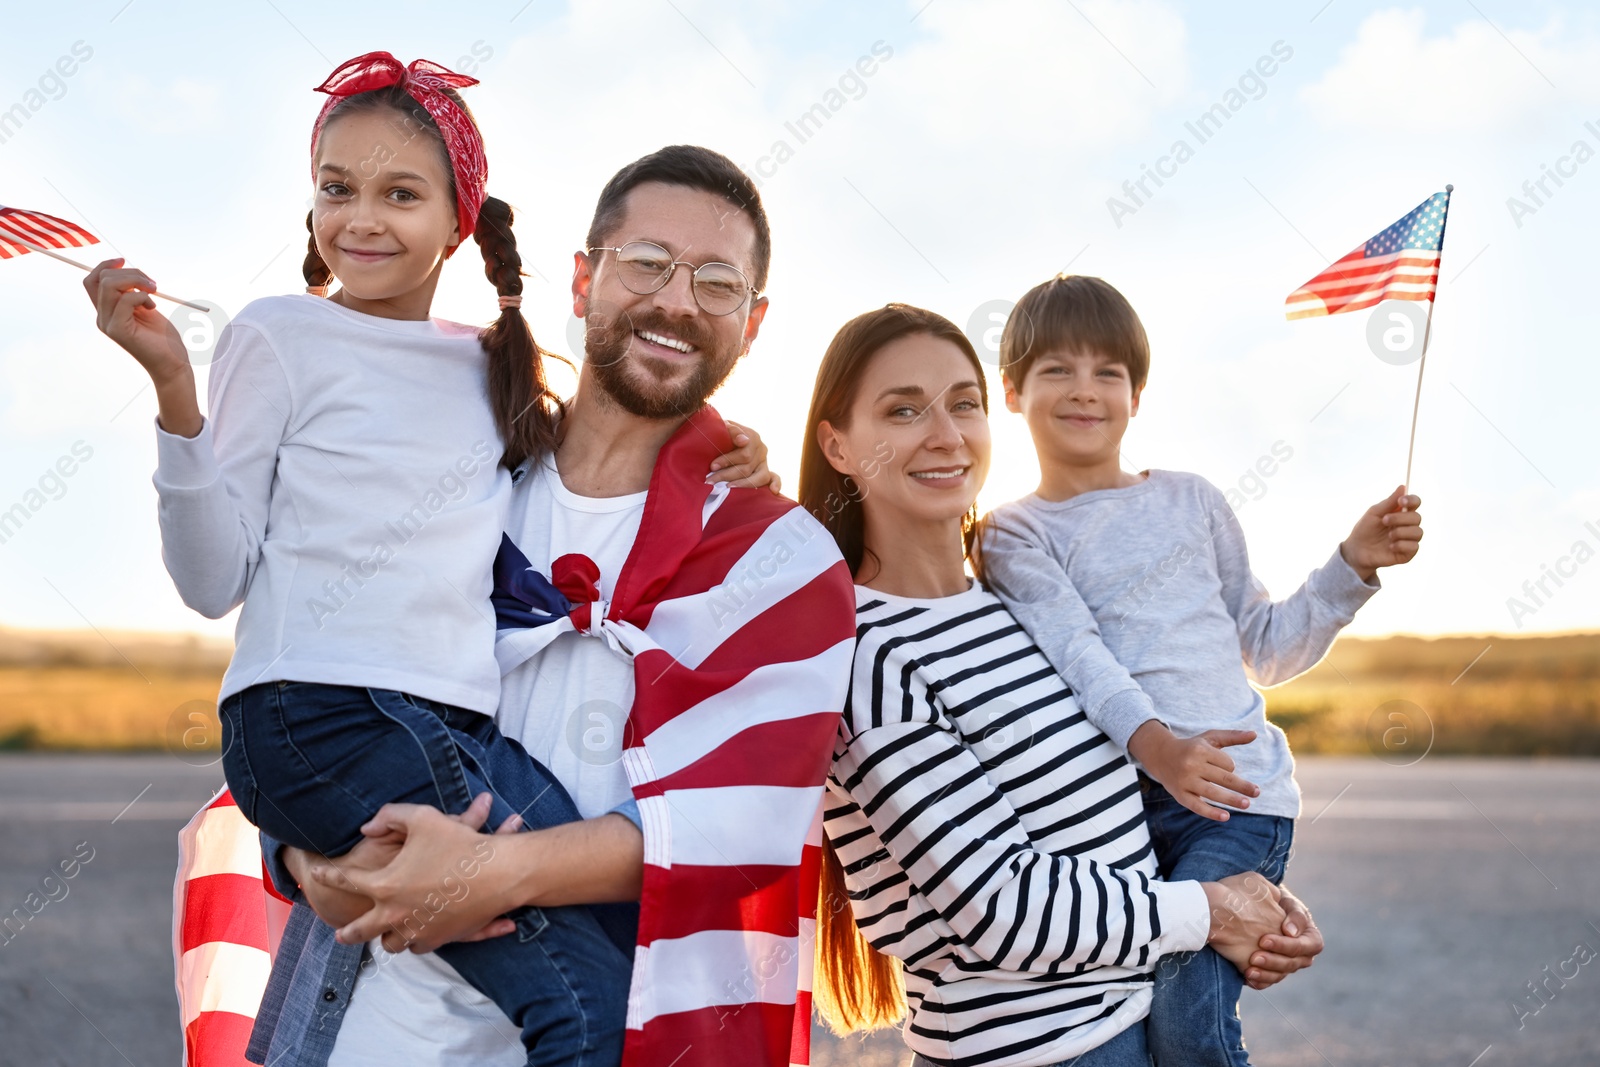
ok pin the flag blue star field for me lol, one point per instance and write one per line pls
(1401, 263)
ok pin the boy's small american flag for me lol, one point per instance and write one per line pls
(20, 228)
(1401, 263)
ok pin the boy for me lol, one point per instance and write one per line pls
(1138, 589)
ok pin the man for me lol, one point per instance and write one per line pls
(685, 690)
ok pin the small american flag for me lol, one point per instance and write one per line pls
(1401, 263)
(19, 225)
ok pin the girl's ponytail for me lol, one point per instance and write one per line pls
(318, 276)
(524, 408)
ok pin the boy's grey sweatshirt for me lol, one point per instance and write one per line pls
(1142, 598)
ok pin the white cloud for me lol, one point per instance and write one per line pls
(1021, 71)
(1395, 77)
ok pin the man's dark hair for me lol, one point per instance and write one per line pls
(696, 168)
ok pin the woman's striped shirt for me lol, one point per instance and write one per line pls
(994, 840)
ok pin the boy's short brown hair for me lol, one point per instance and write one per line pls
(1074, 313)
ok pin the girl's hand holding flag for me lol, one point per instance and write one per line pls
(125, 312)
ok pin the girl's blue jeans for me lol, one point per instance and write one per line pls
(309, 763)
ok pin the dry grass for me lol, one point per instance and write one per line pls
(1524, 696)
(71, 690)
(105, 708)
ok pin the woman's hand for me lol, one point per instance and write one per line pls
(746, 465)
(126, 314)
(1293, 949)
(1389, 533)
(1244, 910)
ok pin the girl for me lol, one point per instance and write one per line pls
(983, 834)
(350, 490)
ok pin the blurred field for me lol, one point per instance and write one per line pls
(1488, 696)
(79, 690)
(1396, 697)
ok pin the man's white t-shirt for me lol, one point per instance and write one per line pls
(567, 706)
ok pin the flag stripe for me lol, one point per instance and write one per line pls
(17, 225)
(1400, 263)
(218, 1039)
(769, 903)
(211, 911)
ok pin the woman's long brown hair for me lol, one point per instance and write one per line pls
(857, 987)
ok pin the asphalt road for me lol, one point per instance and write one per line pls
(1443, 889)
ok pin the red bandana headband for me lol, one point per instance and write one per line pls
(423, 80)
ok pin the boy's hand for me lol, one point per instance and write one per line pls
(1387, 535)
(1194, 770)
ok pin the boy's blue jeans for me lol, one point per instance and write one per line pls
(309, 763)
(1194, 1017)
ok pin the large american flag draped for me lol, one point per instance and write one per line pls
(1401, 263)
(18, 225)
(226, 922)
(740, 617)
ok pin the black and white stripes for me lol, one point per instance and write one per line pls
(994, 840)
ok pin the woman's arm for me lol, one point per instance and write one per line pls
(944, 823)
(446, 881)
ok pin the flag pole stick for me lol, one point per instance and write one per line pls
(10, 236)
(1427, 332)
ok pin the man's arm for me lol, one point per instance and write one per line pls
(447, 881)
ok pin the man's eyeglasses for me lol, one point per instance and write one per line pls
(719, 288)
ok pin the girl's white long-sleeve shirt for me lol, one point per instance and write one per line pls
(347, 489)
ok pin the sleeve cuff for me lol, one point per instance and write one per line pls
(1122, 713)
(1185, 916)
(185, 462)
(272, 858)
(1337, 583)
(629, 809)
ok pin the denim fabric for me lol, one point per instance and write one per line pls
(309, 763)
(1194, 1016)
(1127, 1049)
(306, 995)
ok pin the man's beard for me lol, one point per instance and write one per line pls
(631, 383)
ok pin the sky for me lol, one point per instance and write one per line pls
(957, 154)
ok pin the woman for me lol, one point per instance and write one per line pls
(985, 834)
